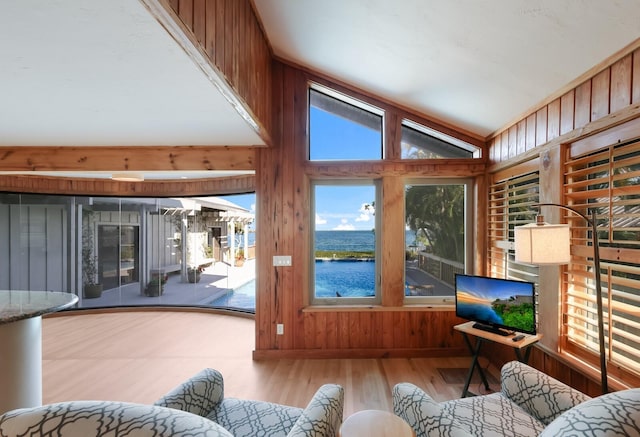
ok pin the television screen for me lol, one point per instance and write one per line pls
(499, 304)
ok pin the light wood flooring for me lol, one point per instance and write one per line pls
(137, 356)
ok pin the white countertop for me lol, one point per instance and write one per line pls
(22, 304)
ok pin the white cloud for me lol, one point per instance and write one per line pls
(320, 221)
(366, 214)
(253, 207)
(344, 227)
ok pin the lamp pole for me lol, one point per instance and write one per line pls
(596, 262)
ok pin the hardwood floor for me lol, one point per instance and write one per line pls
(138, 356)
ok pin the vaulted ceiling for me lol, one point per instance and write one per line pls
(476, 64)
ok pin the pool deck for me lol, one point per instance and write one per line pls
(423, 284)
(216, 281)
(221, 278)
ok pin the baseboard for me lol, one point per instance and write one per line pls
(358, 353)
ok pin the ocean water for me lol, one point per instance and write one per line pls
(346, 241)
(341, 240)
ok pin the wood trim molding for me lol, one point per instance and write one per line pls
(359, 353)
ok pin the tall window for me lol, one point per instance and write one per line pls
(342, 128)
(436, 238)
(345, 267)
(345, 243)
(609, 182)
(510, 205)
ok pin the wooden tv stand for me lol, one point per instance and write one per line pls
(482, 336)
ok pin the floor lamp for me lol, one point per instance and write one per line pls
(545, 244)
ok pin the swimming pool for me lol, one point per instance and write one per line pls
(346, 278)
(243, 297)
(349, 278)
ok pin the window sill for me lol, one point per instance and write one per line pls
(377, 308)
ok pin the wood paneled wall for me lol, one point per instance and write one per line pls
(603, 100)
(611, 96)
(230, 34)
(283, 213)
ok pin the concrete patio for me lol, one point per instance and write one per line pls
(216, 281)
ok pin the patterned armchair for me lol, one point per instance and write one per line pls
(530, 404)
(203, 394)
(105, 418)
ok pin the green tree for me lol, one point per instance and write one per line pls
(437, 212)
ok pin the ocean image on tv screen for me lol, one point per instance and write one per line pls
(493, 301)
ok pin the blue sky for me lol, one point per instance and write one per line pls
(337, 208)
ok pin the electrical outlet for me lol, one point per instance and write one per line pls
(282, 260)
(280, 329)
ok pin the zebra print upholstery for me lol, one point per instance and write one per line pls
(105, 418)
(530, 403)
(203, 394)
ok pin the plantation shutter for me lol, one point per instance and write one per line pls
(609, 181)
(510, 205)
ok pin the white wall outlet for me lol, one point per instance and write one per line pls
(281, 260)
(280, 329)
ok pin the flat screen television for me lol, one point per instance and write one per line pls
(496, 305)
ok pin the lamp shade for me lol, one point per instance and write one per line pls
(542, 244)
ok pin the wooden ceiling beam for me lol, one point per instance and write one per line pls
(134, 158)
(107, 187)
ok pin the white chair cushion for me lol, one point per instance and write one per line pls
(252, 418)
(492, 415)
(612, 414)
(106, 418)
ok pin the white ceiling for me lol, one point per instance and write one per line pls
(104, 72)
(476, 64)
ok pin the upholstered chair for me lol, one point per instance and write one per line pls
(106, 418)
(530, 403)
(203, 394)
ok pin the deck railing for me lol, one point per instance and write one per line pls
(443, 269)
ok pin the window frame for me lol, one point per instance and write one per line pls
(376, 299)
(469, 220)
(356, 104)
(453, 142)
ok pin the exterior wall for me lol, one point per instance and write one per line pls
(33, 255)
(163, 248)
